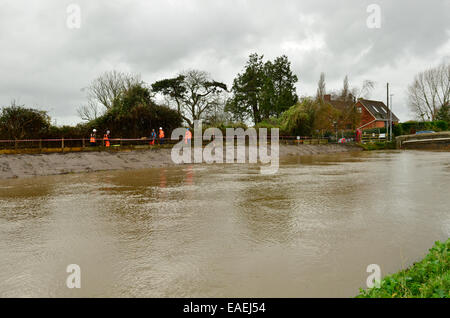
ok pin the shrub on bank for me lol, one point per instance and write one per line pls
(76, 132)
(18, 122)
(298, 120)
(379, 145)
(441, 125)
(134, 115)
(138, 122)
(429, 278)
(411, 127)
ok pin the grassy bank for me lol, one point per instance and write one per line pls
(429, 278)
(378, 145)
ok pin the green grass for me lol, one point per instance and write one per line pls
(429, 278)
(379, 145)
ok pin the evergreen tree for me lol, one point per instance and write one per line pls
(263, 90)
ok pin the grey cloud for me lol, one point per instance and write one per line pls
(43, 63)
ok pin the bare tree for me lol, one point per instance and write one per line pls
(216, 114)
(103, 90)
(347, 95)
(193, 92)
(430, 91)
(321, 87)
(360, 92)
(89, 112)
(365, 90)
(202, 91)
(345, 92)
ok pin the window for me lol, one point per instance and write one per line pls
(359, 109)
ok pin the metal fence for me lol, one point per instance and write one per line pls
(372, 137)
(81, 144)
(63, 143)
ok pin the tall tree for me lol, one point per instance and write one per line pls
(193, 92)
(430, 91)
(246, 90)
(325, 116)
(347, 96)
(103, 90)
(321, 87)
(263, 89)
(134, 96)
(279, 92)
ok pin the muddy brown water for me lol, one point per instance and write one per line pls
(224, 230)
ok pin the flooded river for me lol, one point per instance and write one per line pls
(224, 230)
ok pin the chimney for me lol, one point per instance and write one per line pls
(327, 98)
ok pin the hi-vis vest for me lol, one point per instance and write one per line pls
(161, 133)
(92, 138)
(106, 139)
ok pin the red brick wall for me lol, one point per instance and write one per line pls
(375, 124)
(366, 117)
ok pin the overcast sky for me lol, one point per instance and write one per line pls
(45, 64)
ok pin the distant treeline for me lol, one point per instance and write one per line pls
(263, 95)
(19, 122)
(411, 127)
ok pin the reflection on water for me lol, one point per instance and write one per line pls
(224, 230)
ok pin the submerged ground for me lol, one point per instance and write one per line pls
(224, 230)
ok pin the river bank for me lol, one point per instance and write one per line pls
(29, 165)
(429, 278)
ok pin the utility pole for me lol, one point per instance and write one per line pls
(390, 118)
(389, 111)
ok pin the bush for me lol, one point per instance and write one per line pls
(348, 134)
(397, 129)
(411, 127)
(138, 122)
(379, 145)
(223, 126)
(444, 113)
(441, 125)
(268, 124)
(299, 119)
(18, 122)
(134, 115)
(75, 132)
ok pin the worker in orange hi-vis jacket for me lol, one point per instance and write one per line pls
(161, 136)
(92, 139)
(106, 138)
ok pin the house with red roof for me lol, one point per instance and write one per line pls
(374, 114)
(369, 114)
